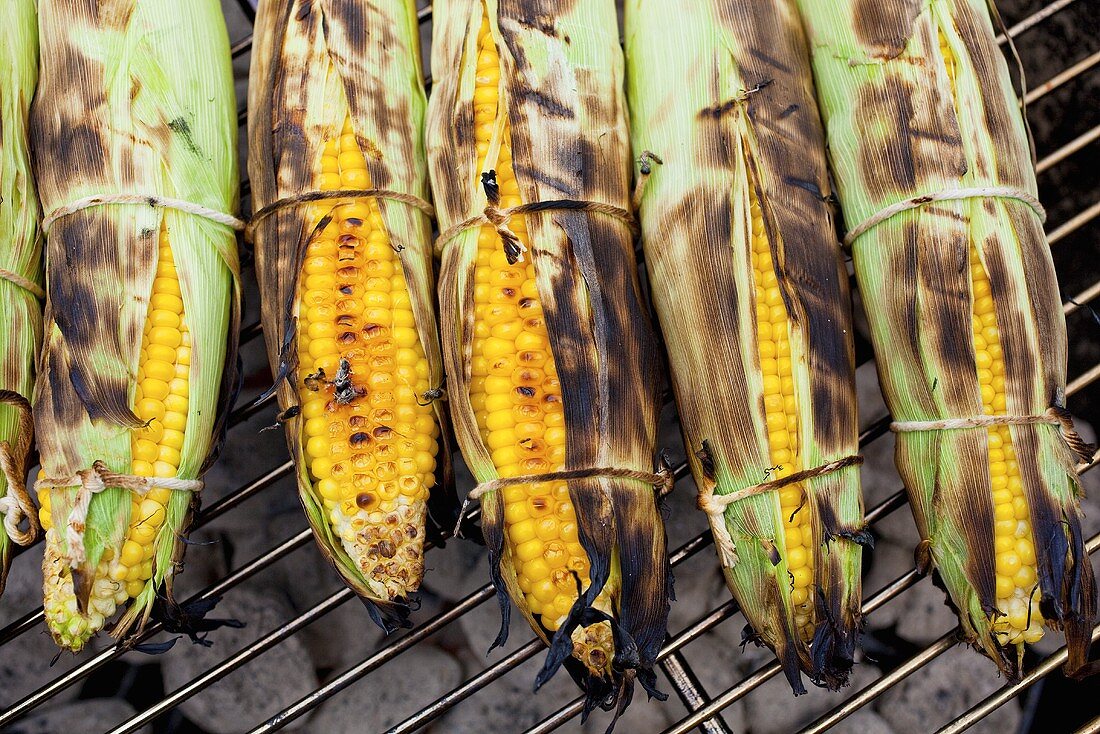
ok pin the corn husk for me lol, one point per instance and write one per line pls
(722, 93)
(561, 87)
(896, 130)
(313, 64)
(20, 246)
(135, 97)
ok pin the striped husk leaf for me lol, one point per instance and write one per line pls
(722, 93)
(917, 100)
(319, 68)
(20, 245)
(135, 97)
(559, 93)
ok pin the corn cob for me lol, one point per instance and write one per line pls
(140, 349)
(20, 246)
(752, 296)
(358, 347)
(549, 354)
(917, 104)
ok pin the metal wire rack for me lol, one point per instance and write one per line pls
(704, 709)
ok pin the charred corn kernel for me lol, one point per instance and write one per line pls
(369, 340)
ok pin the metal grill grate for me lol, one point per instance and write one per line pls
(704, 710)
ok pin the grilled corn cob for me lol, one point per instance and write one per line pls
(141, 320)
(964, 309)
(20, 246)
(358, 347)
(549, 356)
(738, 235)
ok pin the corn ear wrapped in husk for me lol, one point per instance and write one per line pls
(139, 356)
(747, 278)
(337, 103)
(550, 357)
(20, 254)
(963, 305)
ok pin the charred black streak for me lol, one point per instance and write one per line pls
(788, 112)
(706, 460)
(546, 104)
(304, 10)
(541, 22)
(771, 61)
(344, 391)
(810, 186)
(180, 127)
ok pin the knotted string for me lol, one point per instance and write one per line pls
(714, 505)
(498, 217)
(92, 481)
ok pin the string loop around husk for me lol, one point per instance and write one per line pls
(914, 202)
(715, 505)
(498, 217)
(663, 480)
(1054, 415)
(92, 481)
(311, 196)
(154, 200)
(16, 505)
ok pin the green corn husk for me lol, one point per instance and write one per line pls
(906, 118)
(136, 96)
(313, 66)
(722, 93)
(560, 90)
(20, 246)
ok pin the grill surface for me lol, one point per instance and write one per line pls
(1063, 167)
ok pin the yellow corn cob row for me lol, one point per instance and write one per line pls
(516, 395)
(372, 457)
(161, 399)
(1017, 580)
(781, 414)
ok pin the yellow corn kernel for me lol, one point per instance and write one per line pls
(351, 451)
(781, 419)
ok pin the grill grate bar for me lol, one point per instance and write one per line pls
(1067, 150)
(1059, 79)
(704, 711)
(866, 695)
(690, 689)
(1008, 692)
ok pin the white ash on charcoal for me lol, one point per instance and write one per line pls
(456, 570)
(863, 722)
(772, 709)
(703, 588)
(480, 626)
(383, 699)
(345, 635)
(96, 714)
(261, 688)
(25, 665)
(508, 704)
(717, 663)
(945, 688)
